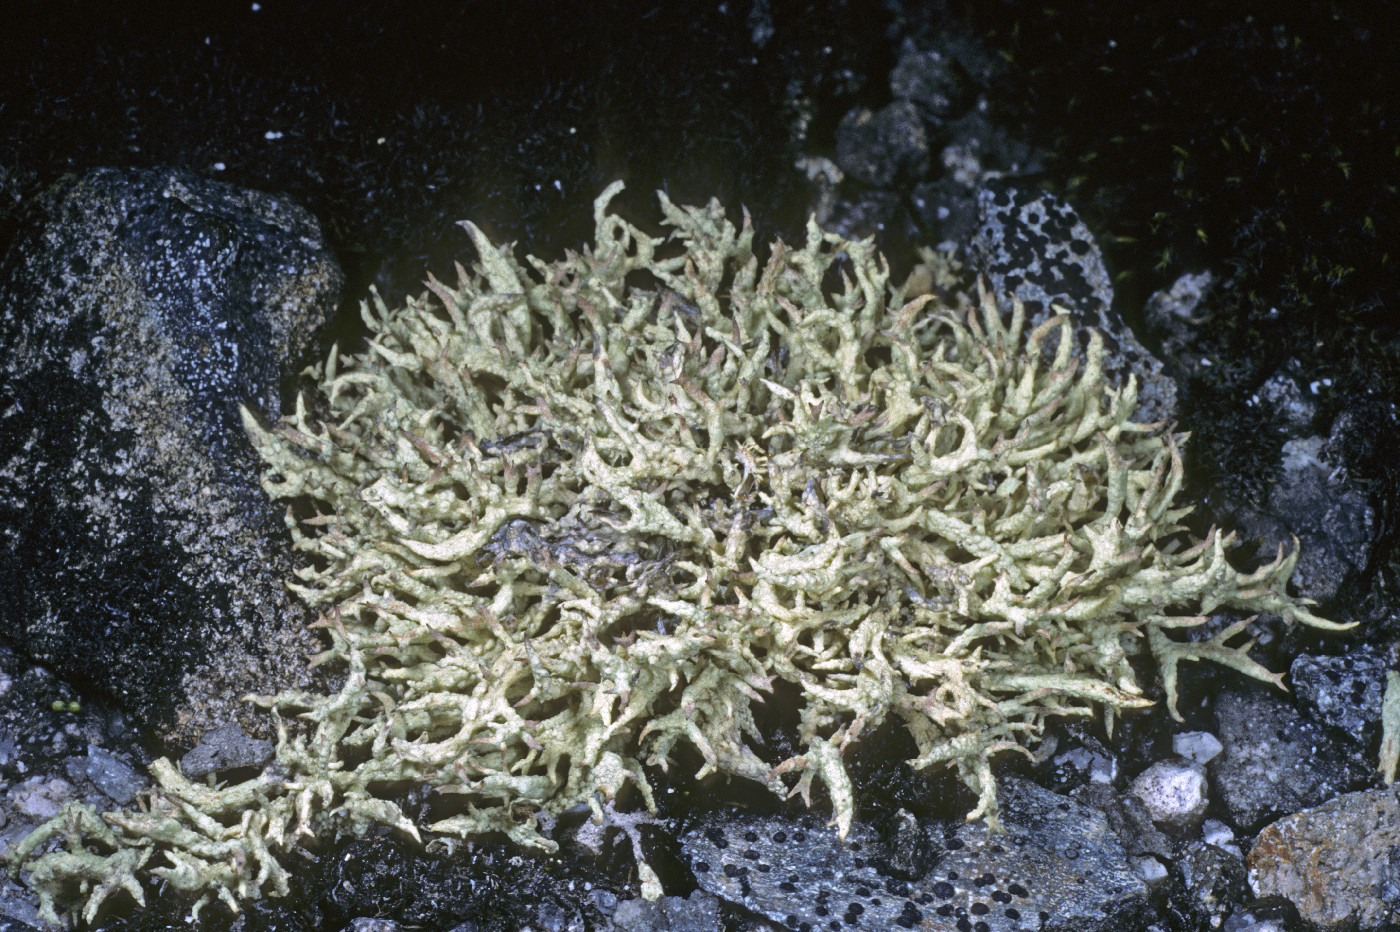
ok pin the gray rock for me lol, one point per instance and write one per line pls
(1342, 692)
(697, 913)
(1082, 760)
(1330, 515)
(364, 924)
(1275, 761)
(1285, 396)
(1245, 921)
(1217, 833)
(551, 917)
(1202, 747)
(19, 910)
(1129, 820)
(109, 773)
(137, 552)
(225, 748)
(40, 798)
(1058, 865)
(1152, 871)
(1034, 246)
(1175, 318)
(931, 80)
(884, 146)
(1338, 864)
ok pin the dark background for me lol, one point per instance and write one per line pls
(1258, 140)
(391, 121)
(1223, 134)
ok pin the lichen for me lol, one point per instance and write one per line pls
(564, 520)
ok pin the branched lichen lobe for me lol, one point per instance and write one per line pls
(572, 516)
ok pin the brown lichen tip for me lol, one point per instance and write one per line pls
(569, 516)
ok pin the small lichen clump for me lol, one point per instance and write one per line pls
(569, 518)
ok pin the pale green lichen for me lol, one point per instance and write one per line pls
(570, 518)
(1390, 727)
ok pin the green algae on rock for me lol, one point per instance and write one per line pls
(568, 517)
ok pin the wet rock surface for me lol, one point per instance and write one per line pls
(1058, 866)
(138, 554)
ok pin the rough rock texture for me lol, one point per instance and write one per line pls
(53, 749)
(223, 749)
(881, 147)
(1206, 884)
(697, 913)
(1275, 761)
(1058, 866)
(1344, 692)
(1336, 863)
(136, 310)
(1031, 245)
(1174, 792)
(936, 80)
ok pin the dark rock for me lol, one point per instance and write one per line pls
(931, 80)
(1174, 318)
(1275, 761)
(1057, 859)
(42, 723)
(1289, 399)
(1362, 441)
(882, 214)
(14, 925)
(910, 854)
(138, 555)
(1129, 820)
(884, 146)
(492, 885)
(945, 208)
(1033, 246)
(1338, 864)
(53, 749)
(1343, 692)
(974, 148)
(1329, 514)
(1207, 884)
